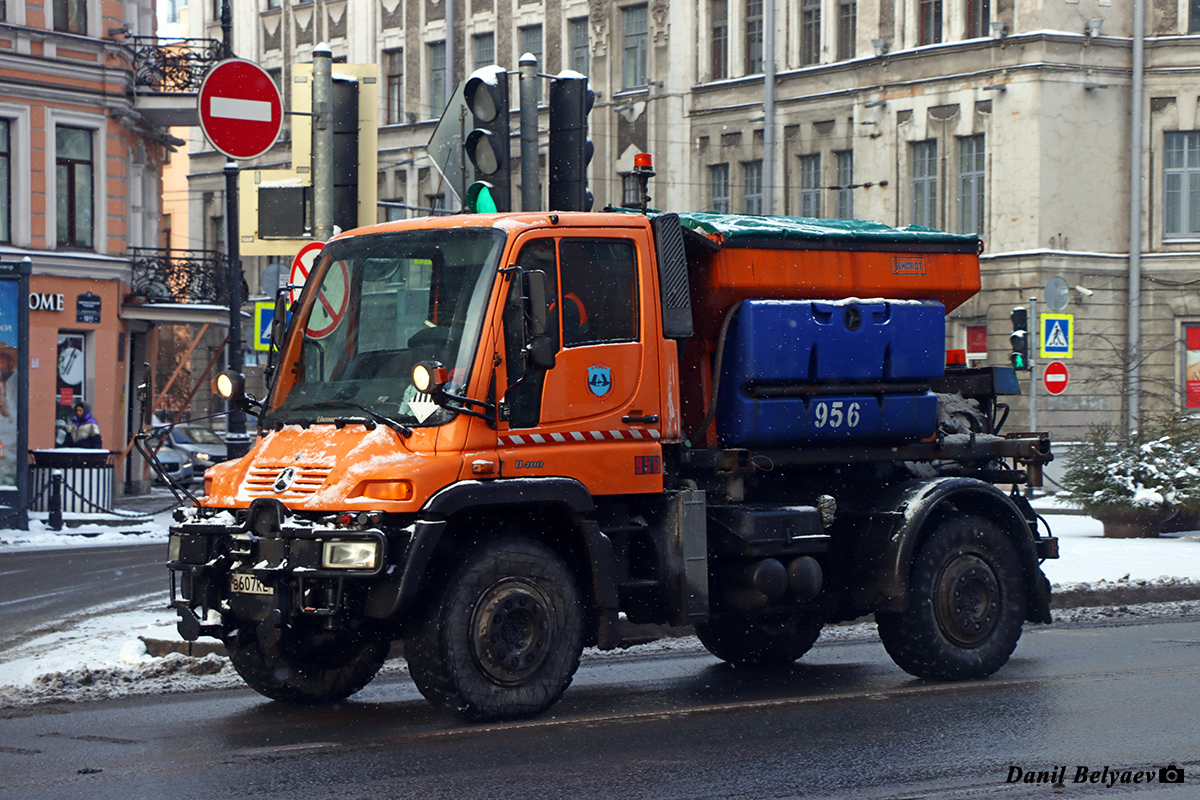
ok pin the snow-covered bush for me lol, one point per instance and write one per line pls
(1154, 469)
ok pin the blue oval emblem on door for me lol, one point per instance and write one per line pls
(599, 380)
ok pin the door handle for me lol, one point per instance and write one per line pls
(649, 419)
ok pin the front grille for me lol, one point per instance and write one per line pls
(261, 482)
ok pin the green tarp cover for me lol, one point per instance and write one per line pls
(751, 231)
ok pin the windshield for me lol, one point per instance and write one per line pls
(384, 302)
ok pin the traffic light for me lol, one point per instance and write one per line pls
(571, 100)
(486, 95)
(481, 198)
(1020, 338)
(345, 153)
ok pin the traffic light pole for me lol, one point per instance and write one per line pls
(322, 143)
(531, 191)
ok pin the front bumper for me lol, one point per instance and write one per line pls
(268, 568)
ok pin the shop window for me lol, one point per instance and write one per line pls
(71, 380)
(1191, 367)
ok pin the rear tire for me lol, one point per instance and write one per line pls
(966, 604)
(504, 639)
(752, 642)
(320, 671)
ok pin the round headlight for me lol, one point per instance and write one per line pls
(422, 378)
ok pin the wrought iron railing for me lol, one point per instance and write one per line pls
(180, 276)
(173, 65)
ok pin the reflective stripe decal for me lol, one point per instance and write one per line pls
(578, 436)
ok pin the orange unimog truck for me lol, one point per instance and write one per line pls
(504, 438)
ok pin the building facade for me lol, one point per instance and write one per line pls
(79, 187)
(1011, 119)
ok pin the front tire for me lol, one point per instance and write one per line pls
(318, 671)
(757, 642)
(966, 604)
(504, 639)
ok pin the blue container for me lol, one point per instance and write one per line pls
(776, 344)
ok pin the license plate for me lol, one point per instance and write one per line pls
(248, 584)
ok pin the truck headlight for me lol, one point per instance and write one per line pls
(349, 555)
(173, 547)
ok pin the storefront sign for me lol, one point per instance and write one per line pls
(45, 302)
(87, 308)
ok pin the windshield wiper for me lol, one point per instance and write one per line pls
(395, 425)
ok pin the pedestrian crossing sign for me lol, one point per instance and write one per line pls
(1058, 335)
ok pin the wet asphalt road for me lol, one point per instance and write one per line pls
(844, 722)
(43, 586)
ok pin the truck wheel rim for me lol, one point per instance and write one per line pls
(512, 627)
(968, 600)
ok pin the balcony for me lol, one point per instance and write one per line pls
(168, 74)
(178, 276)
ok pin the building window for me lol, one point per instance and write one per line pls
(810, 185)
(70, 16)
(394, 64)
(1193, 16)
(810, 31)
(5, 181)
(719, 9)
(845, 180)
(979, 18)
(581, 46)
(274, 4)
(437, 78)
(1181, 183)
(752, 197)
(929, 22)
(754, 37)
(847, 30)
(531, 42)
(718, 182)
(74, 188)
(485, 50)
(635, 25)
(970, 184)
(924, 183)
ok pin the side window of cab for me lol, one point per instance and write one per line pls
(599, 291)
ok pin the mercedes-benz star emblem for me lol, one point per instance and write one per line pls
(284, 479)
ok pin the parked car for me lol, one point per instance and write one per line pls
(178, 466)
(200, 445)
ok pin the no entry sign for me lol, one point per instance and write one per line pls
(1056, 377)
(240, 109)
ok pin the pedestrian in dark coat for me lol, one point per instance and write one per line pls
(83, 430)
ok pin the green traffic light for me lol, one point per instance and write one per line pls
(1018, 361)
(480, 199)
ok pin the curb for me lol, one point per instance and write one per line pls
(641, 634)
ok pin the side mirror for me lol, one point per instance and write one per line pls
(535, 299)
(541, 353)
(279, 320)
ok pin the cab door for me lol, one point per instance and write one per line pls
(596, 414)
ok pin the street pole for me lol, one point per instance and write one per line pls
(531, 191)
(1035, 343)
(322, 142)
(237, 443)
